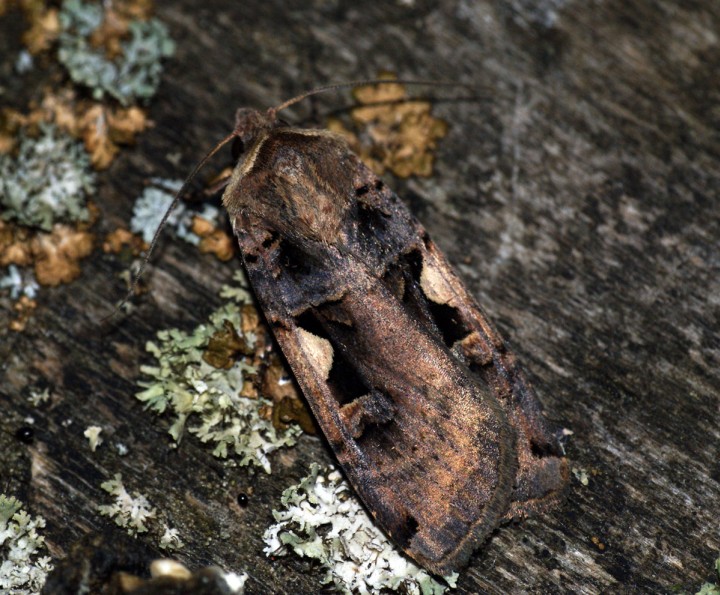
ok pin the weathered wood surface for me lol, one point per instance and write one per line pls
(579, 200)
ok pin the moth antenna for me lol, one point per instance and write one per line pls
(334, 86)
(163, 221)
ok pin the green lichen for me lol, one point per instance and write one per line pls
(205, 400)
(21, 571)
(48, 181)
(322, 519)
(133, 75)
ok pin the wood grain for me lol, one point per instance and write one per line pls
(578, 198)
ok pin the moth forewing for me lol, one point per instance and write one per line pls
(542, 467)
(418, 396)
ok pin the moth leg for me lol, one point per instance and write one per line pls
(218, 184)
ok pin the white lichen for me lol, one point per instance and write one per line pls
(132, 75)
(235, 582)
(22, 572)
(39, 397)
(151, 205)
(24, 62)
(170, 539)
(92, 433)
(131, 512)
(19, 282)
(47, 181)
(207, 400)
(322, 519)
(581, 475)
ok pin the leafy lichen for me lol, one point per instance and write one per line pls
(21, 571)
(209, 398)
(358, 557)
(48, 181)
(170, 539)
(131, 75)
(92, 433)
(131, 512)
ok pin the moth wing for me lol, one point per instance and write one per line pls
(430, 452)
(542, 467)
(423, 404)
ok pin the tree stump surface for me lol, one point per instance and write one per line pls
(578, 199)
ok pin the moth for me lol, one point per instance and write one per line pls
(421, 400)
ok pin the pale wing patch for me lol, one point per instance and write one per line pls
(434, 285)
(318, 350)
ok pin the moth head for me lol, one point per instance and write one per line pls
(249, 124)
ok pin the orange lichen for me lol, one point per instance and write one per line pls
(288, 406)
(250, 319)
(402, 132)
(44, 25)
(102, 128)
(121, 238)
(213, 240)
(226, 347)
(202, 227)
(14, 245)
(249, 390)
(57, 254)
(116, 24)
(23, 308)
(111, 33)
(11, 121)
(126, 123)
(135, 9)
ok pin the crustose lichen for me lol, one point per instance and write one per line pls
(131, 512)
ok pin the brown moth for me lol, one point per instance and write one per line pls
(421, 400)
